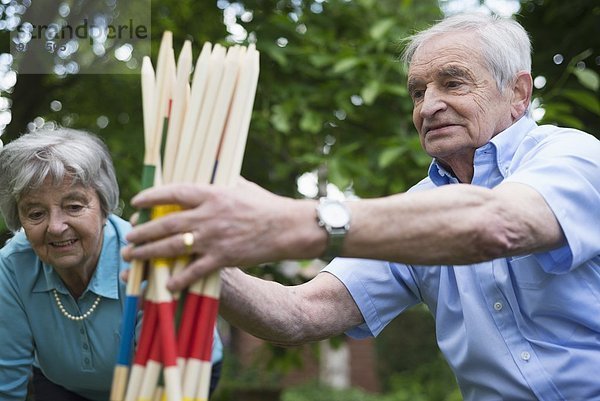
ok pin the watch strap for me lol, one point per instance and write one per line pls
(336, 232)
(335, 241)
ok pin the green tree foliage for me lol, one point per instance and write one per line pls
(566, 41)
(331, 92)
(330, 76)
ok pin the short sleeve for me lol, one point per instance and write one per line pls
(563, 165)
(381, 290)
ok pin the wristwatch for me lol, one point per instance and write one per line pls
(334, 216)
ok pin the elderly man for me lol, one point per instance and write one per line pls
(501, 241)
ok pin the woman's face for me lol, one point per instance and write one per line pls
(64, 225)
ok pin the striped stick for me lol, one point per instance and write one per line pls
(212, 118)
(164, 302)
(159, 107)
(166, 78)
(226, 169)
(152, 370)
(227, 173)
(145, 344)
(136, 271)
(209, 120)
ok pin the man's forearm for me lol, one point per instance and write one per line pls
(255, 306)
(287, 315)
(456, 224)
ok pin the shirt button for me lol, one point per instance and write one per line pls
(498, 306)
(525, 355)
(85, 346)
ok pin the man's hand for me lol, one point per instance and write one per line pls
(242, 226)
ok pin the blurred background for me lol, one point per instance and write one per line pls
(331, 116)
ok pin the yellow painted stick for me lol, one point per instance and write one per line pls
(163, 83)
(136, 272)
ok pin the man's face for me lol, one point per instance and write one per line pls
(457, 105)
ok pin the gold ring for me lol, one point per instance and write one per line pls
(188, 242)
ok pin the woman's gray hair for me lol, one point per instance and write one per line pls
(57, 153)
(504, 43)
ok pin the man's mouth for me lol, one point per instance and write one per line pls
(437, 127)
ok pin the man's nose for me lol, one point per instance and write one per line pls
(432, 103)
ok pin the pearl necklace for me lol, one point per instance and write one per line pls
(72, 317)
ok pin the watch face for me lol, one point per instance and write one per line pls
(335, 214)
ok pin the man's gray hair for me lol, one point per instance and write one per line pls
(56, 153)
(503, 42)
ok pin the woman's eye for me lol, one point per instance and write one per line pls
(37, 215)
(74, 208)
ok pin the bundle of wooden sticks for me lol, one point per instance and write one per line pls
(203, 126)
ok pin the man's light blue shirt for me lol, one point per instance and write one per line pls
(78, 355)
(518, 328)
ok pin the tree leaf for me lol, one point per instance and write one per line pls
(588, 78)
(319, 60)
(280, 119)
(389, 155)
(381, 27)
(311, 122)
(585, 99)
(276, 54)
(345, 64)
(370, 91)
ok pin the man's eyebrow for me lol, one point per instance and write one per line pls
(454, 71)
(449, 71)
(413, 83)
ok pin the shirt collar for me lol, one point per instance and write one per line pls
(507, 142)
(503, 146)
(104, 282)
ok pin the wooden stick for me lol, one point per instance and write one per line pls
(179, 107)
(165, 334)
(215, 75)
(209, 123)
(193, 112)
(227, 172)
(136, 271)
(164, 79)
(149, 323)
(205, 293)
(151, 371)
(212, 118)
(238, 122)
(218, 117)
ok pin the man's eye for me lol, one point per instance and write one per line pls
(417, 94)
(453, 84)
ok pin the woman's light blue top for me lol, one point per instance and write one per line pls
(78, 355)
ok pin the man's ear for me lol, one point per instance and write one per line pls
(521, 94)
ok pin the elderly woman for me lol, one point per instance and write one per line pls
(61, 299)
